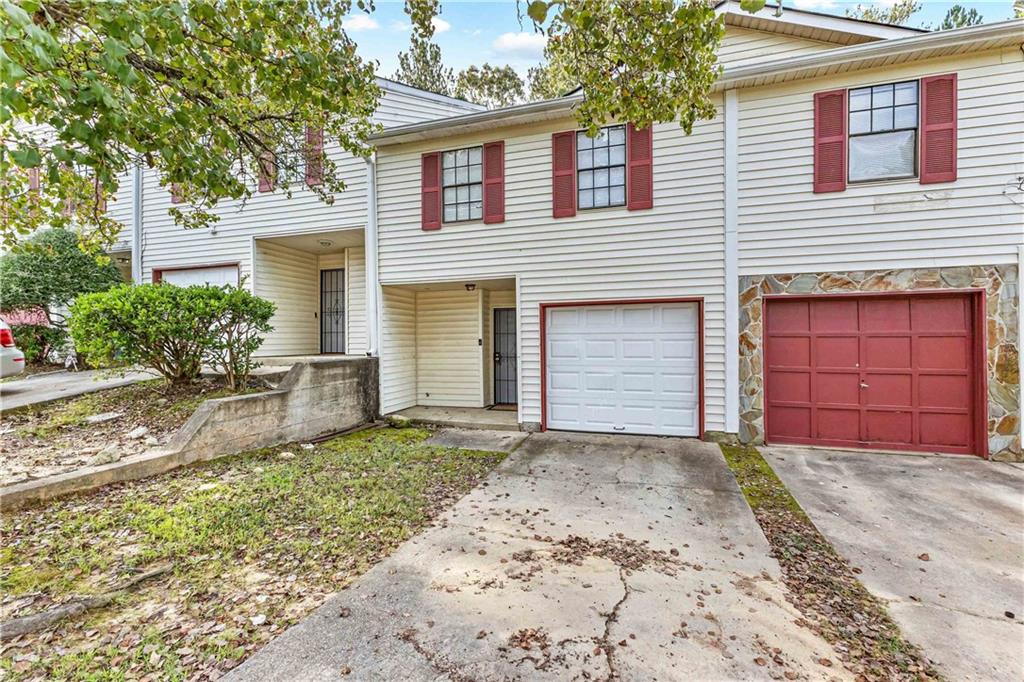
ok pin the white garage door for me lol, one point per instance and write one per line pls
(623, 368)
(217, 276)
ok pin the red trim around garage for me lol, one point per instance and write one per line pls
(158, 273)
(699, 300)
(978, 327)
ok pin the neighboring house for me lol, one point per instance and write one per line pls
(833, 259)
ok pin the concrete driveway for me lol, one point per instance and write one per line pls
(941, 538)
(36, 389)
(580, 557)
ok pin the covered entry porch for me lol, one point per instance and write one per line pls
(318, 283)
(450, 345)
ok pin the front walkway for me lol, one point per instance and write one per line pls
(580, 557)
(463, 417)
(940, 537)
(37, 389)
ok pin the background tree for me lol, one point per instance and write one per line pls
(550, 79)
(958, 17)
(492, 86)
(897, 13)
(421, 67)
(51, 273)
(1018, 9)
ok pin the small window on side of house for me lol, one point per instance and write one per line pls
(601, 168)
(462, 184)
(883, 125)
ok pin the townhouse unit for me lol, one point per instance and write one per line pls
(832, 260)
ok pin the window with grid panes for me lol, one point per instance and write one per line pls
(883, 131)
(461, 172)
(601, 168)
(291, 158)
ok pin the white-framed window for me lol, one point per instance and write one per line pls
(883, 123)
(601, 168)
(291, 159)
(462, 183)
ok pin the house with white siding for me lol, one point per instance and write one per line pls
(833, 259)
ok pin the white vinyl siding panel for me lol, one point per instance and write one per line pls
(672, 250)
(744, 46)
(357, 343)
(289, 278)
(784, 227)
(448, 351)
(398, 349)
(487, 353)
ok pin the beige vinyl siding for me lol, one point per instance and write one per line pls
(672, 250)
(448, 362)
(785, 227)
(487, 354)
(398, 349)
(743, 46)
(288, 277)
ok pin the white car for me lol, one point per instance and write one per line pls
(12, 360)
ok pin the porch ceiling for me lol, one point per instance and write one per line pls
(506, 284)
(319, 242)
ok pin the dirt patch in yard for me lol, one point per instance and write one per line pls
(254, 543)
(822, 584)
(97, 428)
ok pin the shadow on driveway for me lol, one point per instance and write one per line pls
(940, 537)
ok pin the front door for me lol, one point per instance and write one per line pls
(505, 356)
(332, 311)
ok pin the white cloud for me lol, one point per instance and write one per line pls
(399, 26)
(360, 22)
(522, 44)
(440, 25)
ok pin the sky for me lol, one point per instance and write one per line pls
(478, 31)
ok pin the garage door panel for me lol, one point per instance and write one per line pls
(894, 371)
(887, 351)
(790, 351)
(636, 371)
(836, 351)
(838, 425)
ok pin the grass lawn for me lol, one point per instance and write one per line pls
(56, 437)
(255, 541)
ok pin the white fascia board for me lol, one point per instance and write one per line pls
(820, 21)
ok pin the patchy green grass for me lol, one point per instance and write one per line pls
(269, 533)
(821, 583)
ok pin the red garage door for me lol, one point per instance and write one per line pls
(888, 372)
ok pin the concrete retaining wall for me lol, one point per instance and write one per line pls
(314, 398)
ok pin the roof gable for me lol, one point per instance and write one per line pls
(812, 25)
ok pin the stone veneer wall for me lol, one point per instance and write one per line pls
(1002, 307)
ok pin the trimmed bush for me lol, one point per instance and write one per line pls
(172, 330)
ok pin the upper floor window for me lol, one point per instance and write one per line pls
(883, 131)
(461, 179)
(601, 168)
(291, 159)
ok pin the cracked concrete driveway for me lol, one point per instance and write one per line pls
(581, 557)
(940, 538)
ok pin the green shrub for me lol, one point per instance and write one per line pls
(38, 341)
(172, 330)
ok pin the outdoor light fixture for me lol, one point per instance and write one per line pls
(471, 287)
(325, 243)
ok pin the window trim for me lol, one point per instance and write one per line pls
(916, 130)
(624, 165)
(443, 186)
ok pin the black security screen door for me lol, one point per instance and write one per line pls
(505, 356)
(332, 311)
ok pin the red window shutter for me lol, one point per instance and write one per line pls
(430, 191)
(314, 156)
(494, 182)
(640, 168)
(176, 197)
(938, 129)
(830, 141)
(97, 190)
(563, 174)
(266, 171)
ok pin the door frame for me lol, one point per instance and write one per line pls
(494, 345)
(699, 300)
(320, 307)
(979, 385)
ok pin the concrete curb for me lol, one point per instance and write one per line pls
(312, 399)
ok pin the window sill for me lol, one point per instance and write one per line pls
(877, 183)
